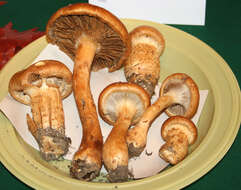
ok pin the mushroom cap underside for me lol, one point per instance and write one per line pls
(148, 35)
(122, 94)
(54, 72)
(185, 93)
(179, 124)
(66, 27)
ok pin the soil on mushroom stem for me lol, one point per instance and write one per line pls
(64, 165)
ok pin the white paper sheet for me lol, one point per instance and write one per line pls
(187, 12)
(142, 166)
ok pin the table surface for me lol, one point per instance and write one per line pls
(222, 31)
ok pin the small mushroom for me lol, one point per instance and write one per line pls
(94, 38)
(43, 85)
(179, 95)
(178, 132)
(143, 64)
(120, 105)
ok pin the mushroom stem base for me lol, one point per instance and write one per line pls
(120, 174)
(52, 143)
(84, 171)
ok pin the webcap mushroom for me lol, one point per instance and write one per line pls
(94, 38)
(43, 85)
(179, 95)
(120, 105)
(143, 64)
(178, 132)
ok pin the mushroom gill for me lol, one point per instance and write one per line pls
(66, 29)
(182, 94)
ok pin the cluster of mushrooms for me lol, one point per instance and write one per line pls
(94, 39)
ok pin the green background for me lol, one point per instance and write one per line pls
(222, 31)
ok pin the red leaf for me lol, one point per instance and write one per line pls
(11, 41)
(3, 2)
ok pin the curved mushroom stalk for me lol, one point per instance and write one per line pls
(143, 64)
(178, 132)
(115, 150)
(120, 104)
(179, 95)
(137, 135)
(42, 86)
(94, 39)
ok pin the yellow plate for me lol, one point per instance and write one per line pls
(217, 128)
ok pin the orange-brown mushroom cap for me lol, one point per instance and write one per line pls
(185, 92)
(149, 35)
(180, 124)
(55, 72)
(69, 23)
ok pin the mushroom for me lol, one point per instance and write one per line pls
(120, 105)
(178, 132)
(179, 95)
(143, 64)
(94, 38)
(42, 86)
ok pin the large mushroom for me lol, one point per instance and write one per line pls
(143, 64)
(43, 85)
(120, 105)
(178, 132)
(94, 38)
(179, 95)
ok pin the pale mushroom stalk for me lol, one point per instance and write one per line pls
(115, 150)
(137, 135)
(43, 85)
(47, 107)
(121, 105)
(47, 110)
(180, 92)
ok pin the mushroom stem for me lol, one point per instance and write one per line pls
(86, 163)
(57, 112)
(137, 136)
(115, 150)
(47, 125)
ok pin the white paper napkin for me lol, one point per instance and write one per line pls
(142, 166)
